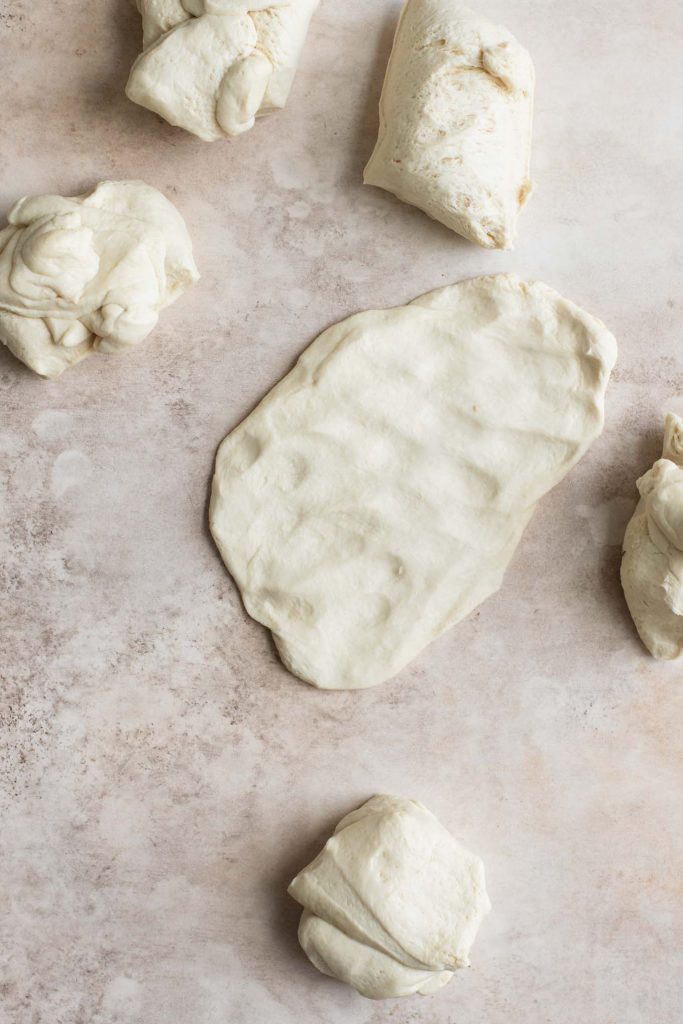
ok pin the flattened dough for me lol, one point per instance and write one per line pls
(213, 66)
(455, 121)
(393, 902)
(377, 494)
(652, 566)
(89, 273)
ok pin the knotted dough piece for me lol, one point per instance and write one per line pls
(393, 903)
(376, 496)
(92, 272)
(213, 66)
(652, 566)
(455, 121)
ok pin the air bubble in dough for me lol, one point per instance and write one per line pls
(393, 903)
(213, 66)
(455, 121)
(376, 496)
(90, 273)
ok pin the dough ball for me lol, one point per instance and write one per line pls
(92, 272)
(393, 903)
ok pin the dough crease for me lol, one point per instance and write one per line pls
(393, 902)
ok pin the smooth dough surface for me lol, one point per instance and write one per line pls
(455, 121)
(652, 566)
(90, 272)
(376, 495)
(213, 66)
(392, 903)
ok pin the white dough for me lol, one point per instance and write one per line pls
(652, 566)
(393, 902)
(455, 121)
(376, 495)
(91, 272)
(213, 66)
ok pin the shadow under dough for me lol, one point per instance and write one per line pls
(368, 122)
(286, 913)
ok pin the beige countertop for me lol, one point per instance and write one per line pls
(163, 776)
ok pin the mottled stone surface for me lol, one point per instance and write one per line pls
(163, 777)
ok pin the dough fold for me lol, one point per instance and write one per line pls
(652, 564)
(90, 272)
(455, 121)
(376, 496)
(393, 902)
(213, 66)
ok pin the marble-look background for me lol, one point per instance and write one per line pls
(162, 775)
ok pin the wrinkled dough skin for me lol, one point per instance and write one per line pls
(652, 565)
(90, 272)
(455, 121)
(393, 903)
(376, 496)
(213, 66)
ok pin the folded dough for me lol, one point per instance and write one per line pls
(455, 121)
(376, 496)
(393, 902)
(92, 272)
(213, 66)
(652, 566)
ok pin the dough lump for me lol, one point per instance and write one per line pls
(652, 566)
(91, 272)
(376, 496)
(455, 121)
(213, 66)
(393, 903)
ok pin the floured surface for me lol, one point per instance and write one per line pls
(376, 496)
(162, 776)
(455, 121)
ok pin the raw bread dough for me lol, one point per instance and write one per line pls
(652, 567)
(377, 494)
(92, 272)
(213, 66)
(393, 902)
(455, 121)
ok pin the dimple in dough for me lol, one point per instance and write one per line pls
(652, 566)
(455, 121)
(89, 273)
(376, 496)
(213, 66)
(393, 902)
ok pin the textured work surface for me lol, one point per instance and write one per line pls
(163, 776)
(378, 493)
